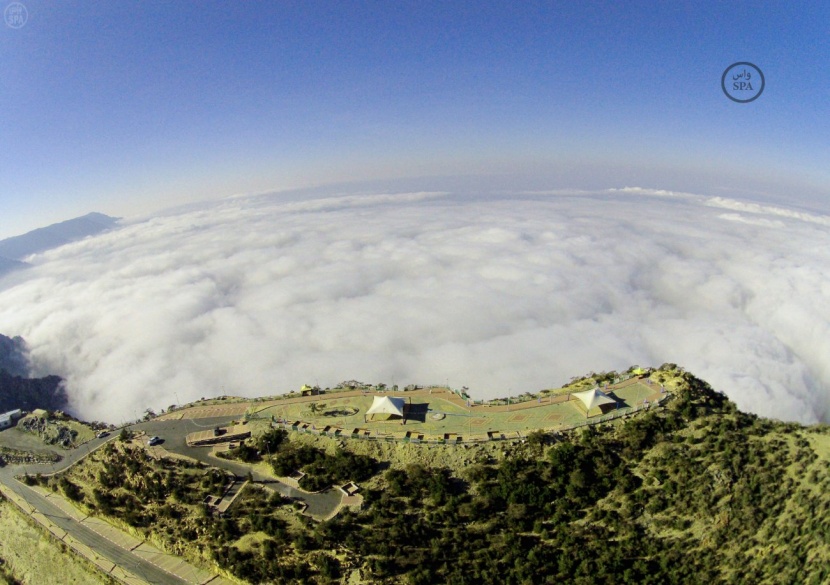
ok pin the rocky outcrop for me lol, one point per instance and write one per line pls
(17, 390)
(30, 393)
(14, 356)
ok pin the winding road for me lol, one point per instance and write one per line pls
(173, 434)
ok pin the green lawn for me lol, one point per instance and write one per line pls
(347, 413)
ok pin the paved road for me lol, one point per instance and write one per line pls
(16, 438)
(174, 432)
(122, 557)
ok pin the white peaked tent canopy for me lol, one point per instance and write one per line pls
(386, 405)
(594, 397)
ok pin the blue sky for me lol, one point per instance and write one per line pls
(127, 107)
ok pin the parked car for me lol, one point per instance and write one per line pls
(154, 441)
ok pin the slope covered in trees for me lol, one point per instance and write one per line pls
(695, 492)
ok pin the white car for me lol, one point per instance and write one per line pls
(154, 441)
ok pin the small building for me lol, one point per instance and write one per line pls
(349, 489)
(7, 419)
(232, 434)
(495, 436)
(307, 390)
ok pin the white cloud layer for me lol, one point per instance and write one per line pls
(259, 295)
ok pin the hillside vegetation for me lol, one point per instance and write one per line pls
(694, 492)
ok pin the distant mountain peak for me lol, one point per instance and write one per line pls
(101, 218)
(54, 236)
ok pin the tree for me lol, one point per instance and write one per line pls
(271, 440)
(537, 438)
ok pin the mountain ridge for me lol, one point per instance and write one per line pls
(692, 491)
(17, 389)
(17, 248)
(14, 356)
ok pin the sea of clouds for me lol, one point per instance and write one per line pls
(504, 294)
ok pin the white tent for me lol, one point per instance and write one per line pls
(386, 405)
(593, 398)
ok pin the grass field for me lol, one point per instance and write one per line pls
(439, 413)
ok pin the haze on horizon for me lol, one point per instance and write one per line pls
(124, 110)
(501, 195)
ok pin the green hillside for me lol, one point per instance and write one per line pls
(691, 492)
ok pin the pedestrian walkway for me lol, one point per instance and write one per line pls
(169, 563)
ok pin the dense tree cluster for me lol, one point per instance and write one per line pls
(254, 450)
(694, 493)
(322, 470)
